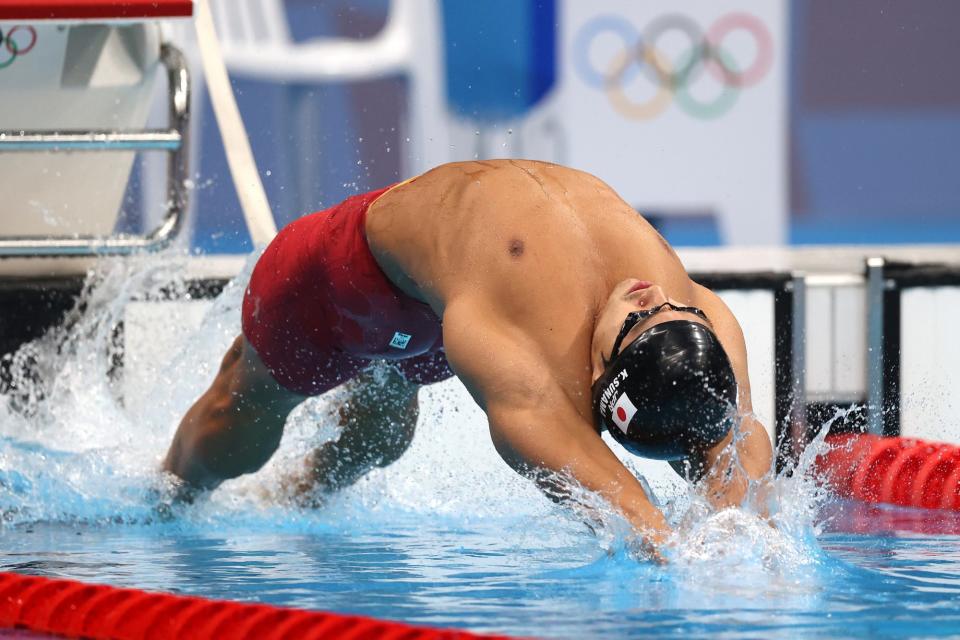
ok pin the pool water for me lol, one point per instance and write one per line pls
(447, 536)
(501, 575)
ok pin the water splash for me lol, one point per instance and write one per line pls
(81, 439)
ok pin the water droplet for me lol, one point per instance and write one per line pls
(269, 173)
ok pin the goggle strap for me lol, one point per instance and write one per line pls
(635, 317)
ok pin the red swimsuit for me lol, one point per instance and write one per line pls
(319, 309)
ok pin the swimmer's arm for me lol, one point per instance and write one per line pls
(536, 428)
(233, 428)
(726, 481)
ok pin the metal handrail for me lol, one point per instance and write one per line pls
(175, 140)
(91, 141)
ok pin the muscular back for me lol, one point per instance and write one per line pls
(537, 246)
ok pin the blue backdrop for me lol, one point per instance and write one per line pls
(874, 112)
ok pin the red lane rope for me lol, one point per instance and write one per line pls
(93, 9)
(76, 609)
(901, 471)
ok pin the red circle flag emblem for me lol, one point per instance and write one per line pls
(623, 411)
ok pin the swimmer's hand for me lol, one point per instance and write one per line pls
(300, 488)
(643, 547)
(293, 490)
(169, 493)
(736, 469)
(182, 492)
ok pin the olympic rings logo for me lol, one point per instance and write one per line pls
(19, 46)
(639, 54)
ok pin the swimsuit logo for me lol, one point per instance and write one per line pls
(400, 340)
(623, 412)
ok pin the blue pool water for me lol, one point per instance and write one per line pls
(447, 536)
(488, 576)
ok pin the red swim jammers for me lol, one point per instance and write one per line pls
(319, 309)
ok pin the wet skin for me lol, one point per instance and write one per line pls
(532, 268)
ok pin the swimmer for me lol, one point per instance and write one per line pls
(559, 307)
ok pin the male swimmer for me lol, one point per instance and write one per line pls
(561, 310)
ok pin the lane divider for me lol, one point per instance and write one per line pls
(78, 610)
(903, 471)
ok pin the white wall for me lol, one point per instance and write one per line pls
(836, 342)
(754, 312)
(621, 120)
(930, 363)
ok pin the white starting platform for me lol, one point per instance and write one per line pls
(77, 83)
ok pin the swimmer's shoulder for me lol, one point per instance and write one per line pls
(505, 170)
(724, 323)
(451, 187)
(479, 189)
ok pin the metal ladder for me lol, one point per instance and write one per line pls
(173, 140)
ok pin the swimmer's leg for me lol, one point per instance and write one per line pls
(378, 420)
(235, 426)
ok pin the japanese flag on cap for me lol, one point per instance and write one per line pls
(623, 412)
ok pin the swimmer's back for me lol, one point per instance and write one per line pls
(531, 237)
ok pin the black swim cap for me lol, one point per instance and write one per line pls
(670, 393)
